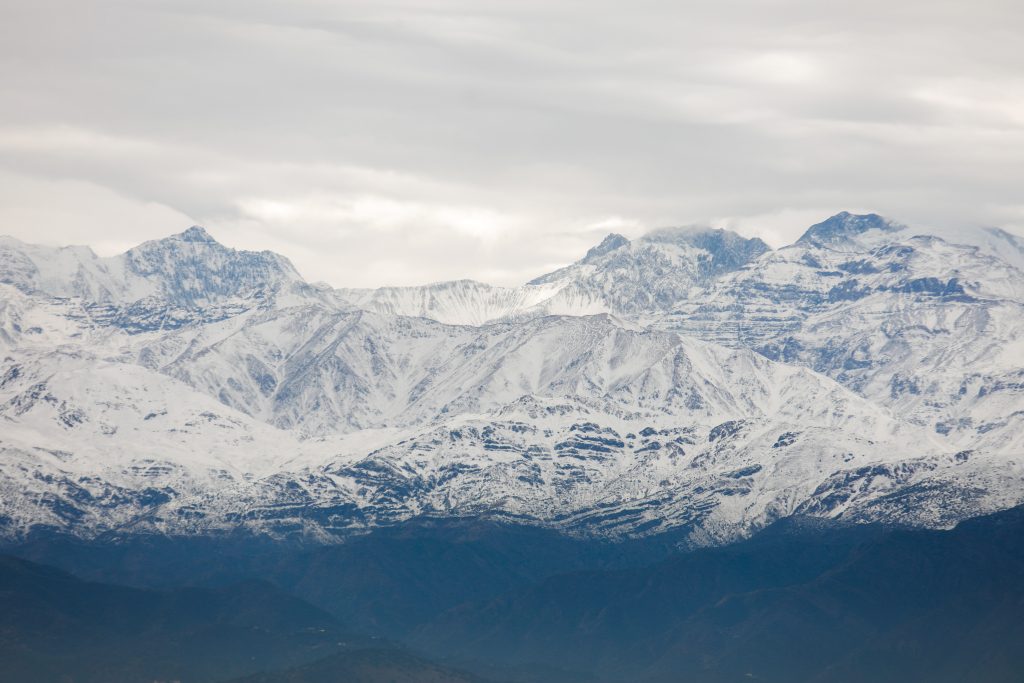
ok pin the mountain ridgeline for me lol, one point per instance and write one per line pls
(689, 379)
(686, 456)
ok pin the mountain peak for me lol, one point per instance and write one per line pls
(609, 244)
(697, 235)
(196, 233)
(728, 250)
(845, 226)
(192, 269)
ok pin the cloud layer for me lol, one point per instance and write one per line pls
(410, 141)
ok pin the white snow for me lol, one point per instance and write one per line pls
(188, 388)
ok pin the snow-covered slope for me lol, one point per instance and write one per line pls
(931, 329)
(163, 284)
(462, 302)
(617, 276)
(188, 269)
(689, 378)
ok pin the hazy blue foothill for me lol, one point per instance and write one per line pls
(861, 602)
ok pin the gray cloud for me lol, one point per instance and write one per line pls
(413, 141)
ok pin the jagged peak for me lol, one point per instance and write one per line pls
(845, 226)
(699, 235)
(196, 233)
(729, 250)
(609, 244)
(191, 268)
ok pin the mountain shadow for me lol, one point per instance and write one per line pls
(789, 605)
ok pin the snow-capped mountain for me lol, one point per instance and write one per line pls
(184, 279)
(639, 278)
(690, 378)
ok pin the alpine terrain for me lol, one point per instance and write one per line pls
(691, 380)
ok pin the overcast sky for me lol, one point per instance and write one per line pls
(404, 142)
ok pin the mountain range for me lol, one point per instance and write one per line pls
(690, 381)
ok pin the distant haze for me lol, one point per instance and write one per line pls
(412, 141)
